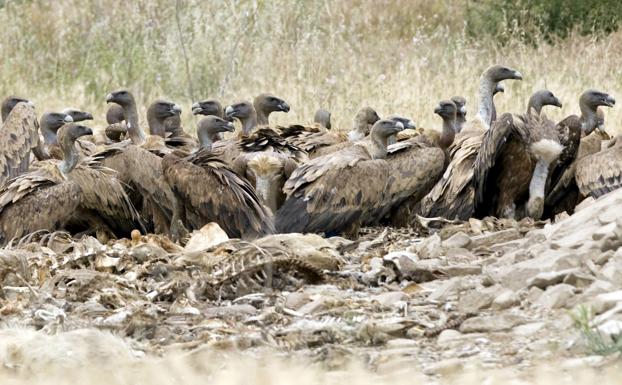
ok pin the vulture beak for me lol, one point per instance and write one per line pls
(410, 125)
(437, 110)
(517, 75)
(284, 107)
(610, 101)
(88, 116)
(68, 119)
(229, 111)
(196, 109)
(557, 103)
(176, 109)
(399, 126)
(109, 98)
(230, 127)
(463, 110)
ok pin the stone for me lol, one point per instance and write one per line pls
(459, 253)
(546, 279)
(533, 294)
(582, 362)
(476, 300)
(229, 311)
(528, 329)
(516, 276)
(401, 343)
(457, 241)
(491, 323)
(556, 296)
(423, 271)
(314, 306)
(578, 279)
(445, 367)
(487, 240)
(447, 289)
(612, 329)
(296, 300)
(599, 287)
(447, 336)
(461, 270)
(612, 271)
(390, 298)
(506, 299)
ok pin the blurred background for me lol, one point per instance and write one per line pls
(399, 56)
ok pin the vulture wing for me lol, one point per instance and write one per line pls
(19, 135)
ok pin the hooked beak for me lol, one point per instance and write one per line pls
(610, 101)
(284, 107)
(229, 111)
(68, 119)
(557, 103)
(410, 125)
(437, 110)
(463, 110)
(230, 127)
(196, 109)
(176, 109)
(517, 75)
(399, 126)
(109, 98)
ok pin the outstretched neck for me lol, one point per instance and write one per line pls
(485, 106)
(589, 119)
(155, 126)
(534, 105)
(70, 157)
(133, 129)
(249, 124)
(378, 146)
(206, 140)
(449, 133)
(49, 136)
(262, 117)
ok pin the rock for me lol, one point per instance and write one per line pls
(476, 300)
(314, 306)
(612, 329)
(516, 276)
(528, 329)
(447, 289)
(582, 362)
(207, 237)
(546, 279)
(423, 270)
(599, 287)
(612, 271)
(556, 296)
(296, 300)
(430, 247)
(448, 335)
(506, 299)
(461, 270)
(401, 343)
(229, 311)
(457, 241)
(578, 279)
(446, 367)
(492, 323)
(459, 253)
(533, 294)
(390, 298)
(606, 301)
(487, 240)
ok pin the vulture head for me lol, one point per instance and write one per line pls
(241, 110)
(543, 98)
(446, 109)
(408, 124)
(322, 117)
(122, 97)
(9, 103)
(499, 73)
(209, 129)
(499, 87)
(593, 99)
(363, 121)
(265, 104)
(51, 121)
(461, 111)
(77, 115)
(208, 107)
(70, 132)
(384, 128)
(158, 112)
(115, 114)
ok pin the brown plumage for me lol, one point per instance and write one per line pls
(58, 194)
(206, 190)
(512, 165)
(19, 134)
(584, 137)
(601, 172)
(322, 117)
(453, 194)
(49, 124)
(266, 104)
(339, 192)
(461, 113)
(9, 103)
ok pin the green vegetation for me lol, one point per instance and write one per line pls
(597, 343)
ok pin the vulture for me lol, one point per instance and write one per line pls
(19, 135)
(49, 124)
(207, 190)
(338, 193)
(209, 107)
(601, 172)
(115, 117)
(139, 165)
(9, 103)
(322, 117)
(512, 166)
(313, 139)
(584, 137)
(419, 162)
(460, 103)
(453, 195)
(408, 131)
(265, 104)
(498, 88)
(157, 113)
(58, 193)
(77, 115)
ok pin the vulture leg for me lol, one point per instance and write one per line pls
(546, 152)
(177, 230)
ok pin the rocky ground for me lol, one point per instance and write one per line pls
(440, 298)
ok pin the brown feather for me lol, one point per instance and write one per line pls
(19, 135)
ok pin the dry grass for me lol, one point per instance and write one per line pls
(398, 56)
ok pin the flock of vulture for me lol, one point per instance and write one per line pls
(297, 178)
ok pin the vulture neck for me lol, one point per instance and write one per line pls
(486, 106)
(588, 119)
(262, 117)
(534, 104)
(70, 156)
(49, 136)
(156, 126)
(207, 139)
(378, 146)
(359, 131)
(268, 191)
(460, 120)
(449, 132)
(133, 129)
(249, 123)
